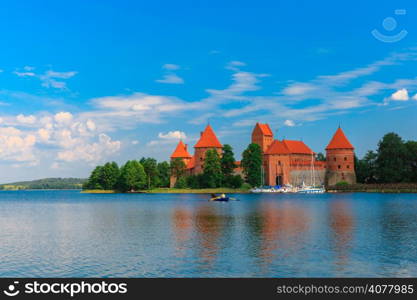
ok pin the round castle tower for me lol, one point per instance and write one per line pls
(340, 160)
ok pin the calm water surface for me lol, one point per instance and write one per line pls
(65, 233)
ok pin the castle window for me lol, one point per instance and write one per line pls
(345, 158)
(347, 166)
(338, 166)
(334, 159)
(279, 163)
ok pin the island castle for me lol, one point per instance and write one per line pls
(284, 161)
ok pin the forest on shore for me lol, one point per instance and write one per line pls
(148, 173)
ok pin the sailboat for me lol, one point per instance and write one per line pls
(305, 189)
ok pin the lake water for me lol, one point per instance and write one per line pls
(66, 234)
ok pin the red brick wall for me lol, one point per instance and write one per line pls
(260, 139)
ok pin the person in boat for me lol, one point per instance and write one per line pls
(215, 197)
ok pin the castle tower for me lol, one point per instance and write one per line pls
(263, 136)
(208, 140)
(340, 160)
(182, 153)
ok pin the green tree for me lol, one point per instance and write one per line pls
(163, 173)
(235, 181)
(109, 174)
(177, 167)
(94, 181)
(252, 164)
(132, 176)
(391, 161)
(320, 157)
(228, 162)
(151, 170)
(212, 169)
(181, 183)
(366, 168)
(411, 147)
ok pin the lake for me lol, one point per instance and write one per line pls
(69, 234)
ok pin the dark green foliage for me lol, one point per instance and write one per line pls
(411, 160)
(320, 157)
(132, 177)
(93, 181)
(395, 161)
(234, 181)
(151, 170)
(228, 162)
(177, 167)
(212, 169)
(366, 168)
(108, 176)
(163, 174)
(194, 181)
(391, 160)
(252, 164)
(181, 183)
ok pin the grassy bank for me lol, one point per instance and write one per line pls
(98, 191)
(375, 188)
(176, 191)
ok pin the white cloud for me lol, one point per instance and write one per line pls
(172, 135)
(135, 142)
(44, 134)
(24, 74)
(26, 119)
(49, 79)
(63, 117)
(400, 95)
(171, 67)
(289, 123)
(168, 138)
(298, 89)
(17, 146)
(171, 79)
(414, 97)
(92, 152)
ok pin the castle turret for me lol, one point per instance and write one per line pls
(340, 160)
(263, 136)
(208, 140)
(180, 152)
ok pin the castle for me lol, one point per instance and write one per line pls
(284, 162)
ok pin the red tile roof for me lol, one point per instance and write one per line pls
(297, 147)
(180, 151)
(208, 139)
(288, 147)
(277, 147)
(266, 130)
(339, 141)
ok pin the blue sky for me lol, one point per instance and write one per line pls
(84, 82)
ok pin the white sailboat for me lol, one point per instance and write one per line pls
(312, 189)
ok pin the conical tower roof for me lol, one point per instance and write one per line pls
(180, 151)
(339, 141)
(208, 139)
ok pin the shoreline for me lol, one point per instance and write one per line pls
(173, 191)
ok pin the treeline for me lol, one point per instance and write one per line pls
(219, 170)
(45, 184)
(395, 161)
(134, 175)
